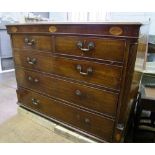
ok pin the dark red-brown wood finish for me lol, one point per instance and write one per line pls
(82, 75)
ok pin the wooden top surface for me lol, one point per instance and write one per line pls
(77, 23)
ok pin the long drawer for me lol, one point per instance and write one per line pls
(97, 100)
(96, 125)
(98, 48)
(32, 42)
(86, 71)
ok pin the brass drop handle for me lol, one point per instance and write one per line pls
(35, 101)
(31, 61)
(89, 70)
(33, 80)
(90, 46)
(29, 42)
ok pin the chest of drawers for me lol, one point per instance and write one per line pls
(81, 75)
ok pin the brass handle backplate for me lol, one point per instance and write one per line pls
(35, 80)
(87, 120)
(29, 42)
(89, 46)
(88, 71)
(31, 61)
(35, 101)
(78, 93)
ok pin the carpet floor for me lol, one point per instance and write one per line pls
(20, 129)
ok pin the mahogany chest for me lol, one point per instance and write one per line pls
(81, 75)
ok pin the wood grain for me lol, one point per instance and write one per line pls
(107, 49)
(94, 124)
(43, 43)
(102, 74)
(94, 99)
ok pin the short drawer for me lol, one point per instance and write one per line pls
(95, 125)
(99, 100)
(90, 72)
(98, 48)
(35, 42)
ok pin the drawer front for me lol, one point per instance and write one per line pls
(85, 71)
(99, 48)
(97, 100)
(96, 125)
(32, 42)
